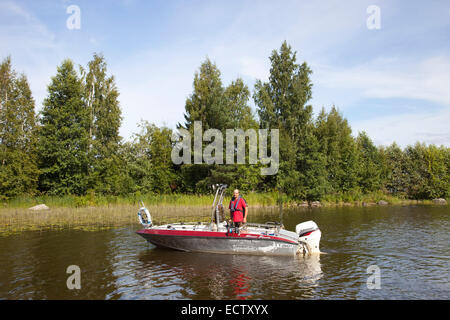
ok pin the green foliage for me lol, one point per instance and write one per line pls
(282, 104)
(339, 147)
(315, 179)
(207, 102)
(236, 97)
(76, 157)
(63, 136)
(148, 159)
(438, 172)
(221, 108)
(370, 164)
(428, 171)
(18, 157)
(397, 179)
(100, 96)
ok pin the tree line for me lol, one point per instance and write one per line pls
(73, 147)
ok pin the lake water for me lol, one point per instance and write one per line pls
(409, 246)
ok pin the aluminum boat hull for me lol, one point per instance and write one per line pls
(220, 242)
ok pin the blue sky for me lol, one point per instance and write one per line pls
(392, 82)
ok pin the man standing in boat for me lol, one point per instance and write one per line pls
(238, 209)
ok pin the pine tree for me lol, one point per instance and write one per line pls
(101, 99)
(206, 103)
(18, 160)
(236, 98)
(64, 135)
(338, 145)
(370, 164)
(217, 108)
(282, 104)
(245, 177)
(397, 178)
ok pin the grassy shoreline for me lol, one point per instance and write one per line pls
(192, 200)
(92, 213)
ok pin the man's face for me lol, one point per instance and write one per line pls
(236, 194)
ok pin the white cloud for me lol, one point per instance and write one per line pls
(407, 129)
(425, 81)
(239, 36)
(22, 29)
(32, 46)
(392, 78)
(153, 86)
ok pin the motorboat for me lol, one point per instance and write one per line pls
(221, 236)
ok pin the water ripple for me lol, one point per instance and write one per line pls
(409, 245)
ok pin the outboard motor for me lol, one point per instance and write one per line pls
(309, 236)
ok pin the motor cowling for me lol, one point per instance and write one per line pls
(309, 236)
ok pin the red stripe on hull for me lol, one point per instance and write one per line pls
(214, 234)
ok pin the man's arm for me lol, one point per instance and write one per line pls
(245, 215)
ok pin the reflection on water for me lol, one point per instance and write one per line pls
(410, 245)
(218, 276)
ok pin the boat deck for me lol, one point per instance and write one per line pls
(249, 231)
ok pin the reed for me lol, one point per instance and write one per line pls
(183, 200)
(267, 199)
(19, 219)
(14, 220)
(94, 212)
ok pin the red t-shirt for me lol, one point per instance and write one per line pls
(238, 216)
